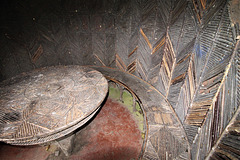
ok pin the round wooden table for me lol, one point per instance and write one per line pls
(49, 103)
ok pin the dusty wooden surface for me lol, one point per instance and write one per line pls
(48, 102)
(182, 47)
(228, 144)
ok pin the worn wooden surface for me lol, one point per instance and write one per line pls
(48, 102)
(227, 146)
(184, 48)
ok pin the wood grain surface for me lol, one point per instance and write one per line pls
(49, 100)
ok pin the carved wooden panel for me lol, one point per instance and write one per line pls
(48, 101)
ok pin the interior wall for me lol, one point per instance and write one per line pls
(185, 49)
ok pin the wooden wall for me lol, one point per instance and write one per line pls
(187, 49)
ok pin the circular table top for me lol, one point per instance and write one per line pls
(48, 101)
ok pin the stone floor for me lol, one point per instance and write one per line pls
(113, 134)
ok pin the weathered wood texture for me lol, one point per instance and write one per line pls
(181, 47)
(216, 100)
(221, 112)
(225, 126)
(48, 103)
(227, 146)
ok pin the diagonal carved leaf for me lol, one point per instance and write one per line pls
(228, 143)
(146, 39)
(131, 68)
(183, 69)
(199, 7)
(120, 64)
(212, 9)
(218, 53)
(168, 63)
(177, 52)
(37, 54)
(151, 37)
(223, 109)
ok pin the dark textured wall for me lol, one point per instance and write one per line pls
(188, 50)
